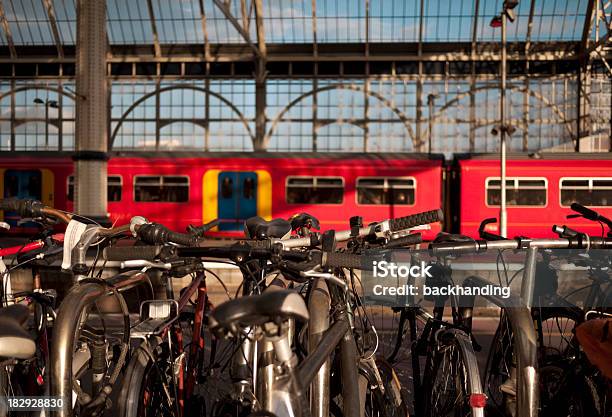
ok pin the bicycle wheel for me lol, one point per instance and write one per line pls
(555, 343)
(148, 385)
(565, 392)
(453, 386)
(383, 393)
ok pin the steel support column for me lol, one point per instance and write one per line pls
(260, 81)
(91, 120)
(583, 119)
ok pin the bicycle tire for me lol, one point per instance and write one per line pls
(498, 370)
(385, 401)
(138, 396)
(452, 357)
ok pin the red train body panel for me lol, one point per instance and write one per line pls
(471, 198)
(275, 170)
(532, 220)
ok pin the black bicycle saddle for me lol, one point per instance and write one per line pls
(304, 220)
(258, 228)
(255, 310)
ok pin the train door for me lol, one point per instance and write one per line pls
(237, 199)
(26, 184)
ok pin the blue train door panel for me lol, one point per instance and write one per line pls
(21, 184)
(237, 198)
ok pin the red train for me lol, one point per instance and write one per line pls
(179, 189)
(539, 191)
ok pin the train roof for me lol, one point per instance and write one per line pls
(537, 156)
(259, 155)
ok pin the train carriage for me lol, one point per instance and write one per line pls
(182, 189)
(540, 190)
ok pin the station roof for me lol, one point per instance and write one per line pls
(162, 23)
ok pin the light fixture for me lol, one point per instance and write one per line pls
(509, 5)
(496, 22)
(54, 104)
(38, 101)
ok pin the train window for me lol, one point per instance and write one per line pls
(519, 191)
(167, 189)
(114, 187)
(248, 189)
(383, 190)
(315, 190)
(227, 187)
(586, 191)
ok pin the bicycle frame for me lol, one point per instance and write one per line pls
(293, 385)
(77, 301)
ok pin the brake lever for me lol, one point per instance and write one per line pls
(326, 276)
(145, 265)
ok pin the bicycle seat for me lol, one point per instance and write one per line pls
(17, 312)
(258, 228)
(15, 341)
(256, 310)
(304, 220)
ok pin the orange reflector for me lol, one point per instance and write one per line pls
(478, 400)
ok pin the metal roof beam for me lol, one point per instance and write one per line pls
(529, 26)
(475, 25)
(204, 30)
(7, 32)
(259, 23)
(315, 47)
(54, 30)
(588, 25)
(224, 7)
(153, 29)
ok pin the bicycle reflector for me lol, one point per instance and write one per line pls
(478, 400)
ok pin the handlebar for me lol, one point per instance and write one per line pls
(477, 246)
(33, 209)
(158, 234)
(391, 226)
(413, 220)
(592, 215)
(126, 253)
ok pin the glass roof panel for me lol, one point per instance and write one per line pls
(341, 21)
(219, 28)
(288, 23)
(553, 20)
(448, 21)
(28, 22)
(65, 16)
(178, 21)
(394, 20)
(559, 20)
(129, 22)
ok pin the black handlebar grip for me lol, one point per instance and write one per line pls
(585, 211)
(156, 234)
(453, 248)
(126, 253)
(408, 240)
(426, 217)
(343, 260)
(25, 208)
(180, 238)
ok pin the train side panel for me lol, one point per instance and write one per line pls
(533, 216)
